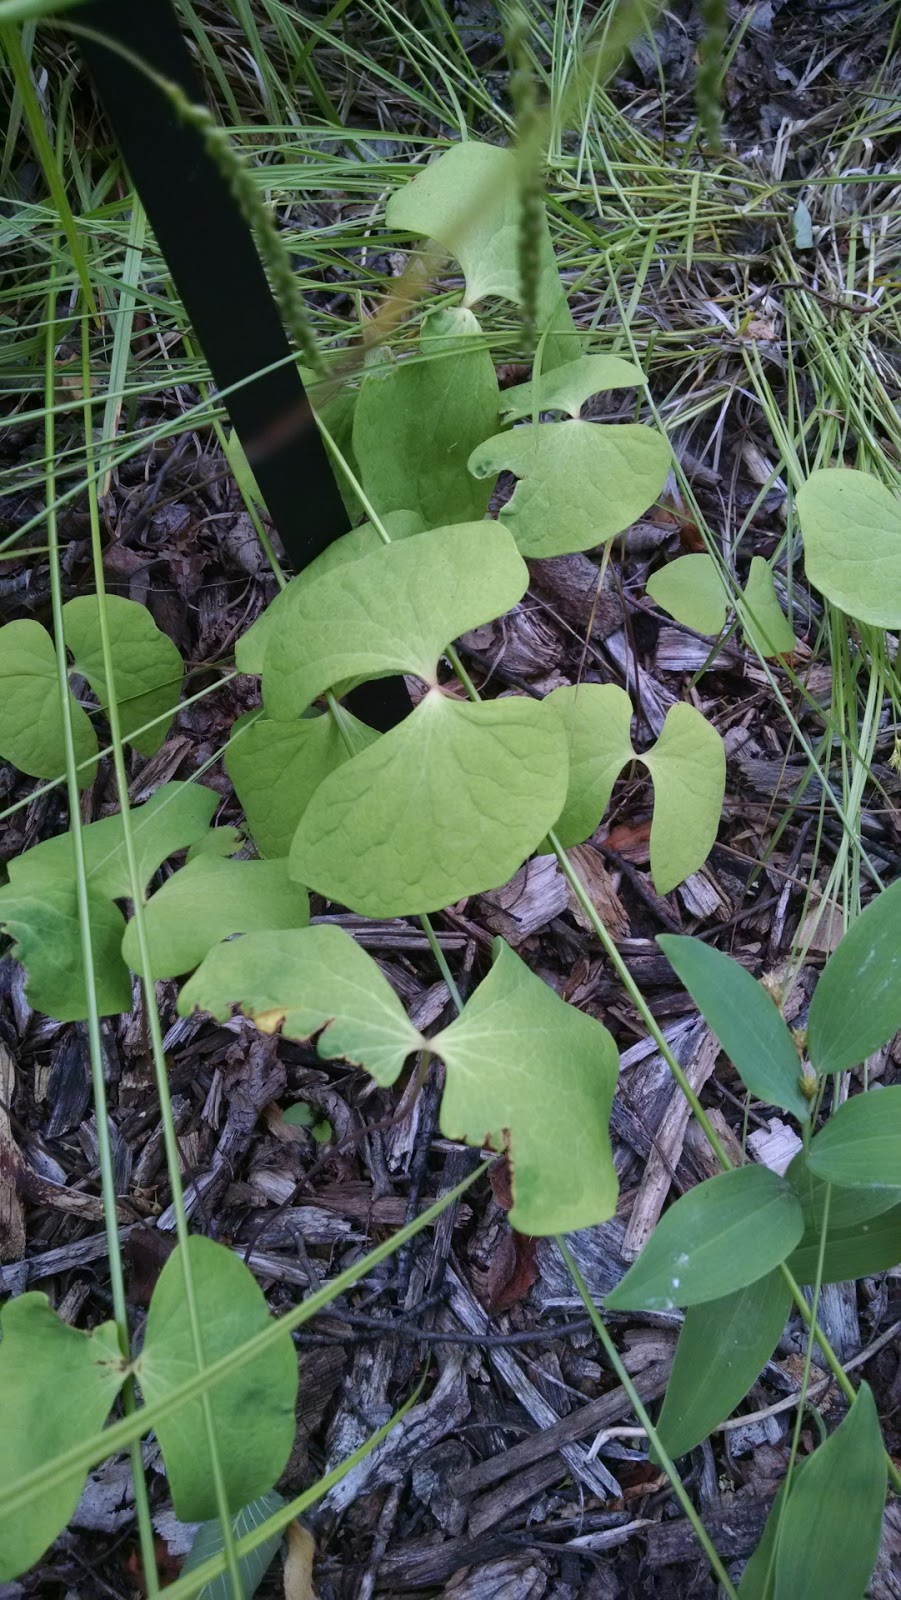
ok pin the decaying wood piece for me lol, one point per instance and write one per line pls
(734, 1525)
(590, 1418)
(664, 1157)
(536, 894)
(12, 1219)
(593, 1474)
(573, 581)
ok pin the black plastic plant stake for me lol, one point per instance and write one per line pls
(218, 275)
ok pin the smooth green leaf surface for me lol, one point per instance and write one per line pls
(392, 611)
(744, 1018)
(597, 719)
(276, 767)
(174, 817)
(250, 652)
(766, 627)
(39, 905)
(253, 1409)
(856, 1005)
(468, 201)
(209, 900)
(852, 543)
(43, 920)
(832, 1522)
(31, 718)
(688, 766)
(208, 1542)
(418, 421)
(723, 1347)
(308, 981)
(449, 803)
(864, 1232)
(725, 1233)
(531, 1075)
(147, 666)
(857, 1251)
(579, 482)
(691, 590)
(567, 388)
(56, 1388)
(860, 1146)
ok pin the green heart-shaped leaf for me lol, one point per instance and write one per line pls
(691, 590)
(860, 1145)
(449, 803)
(567, 388)
(308, 981)
(528, 1074)
(252, 1409)
(720, 1236)
(31, 718)
(147, 666)
(469, 202)
(766, 627)
(597, 718)
(579, 482)
(723, 1347)
(276, 767)
(418, 421)
(744, 1018)
(856, 1005)
(207, 901)
(392, 611)
(826, 1534)
(56, 1389)
(250, 652)
(688, 766)
(39, 905)
(852, 543)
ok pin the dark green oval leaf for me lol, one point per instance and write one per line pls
(723, 1347)
(724, 1234)
(744, 1018)
(860, 1145)
(830, 1525)
(856, 1005)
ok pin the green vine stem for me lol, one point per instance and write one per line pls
(669, 1467)
(95, 1048)
(151, 1010)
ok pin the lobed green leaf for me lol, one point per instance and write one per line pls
(567, 388)
(580, 483)
(147, 666)
(276, 768)
(688, 767)
(309, 981)
(447, 804)
(31, 717)
(531, 1075)
(766, 627)
(392, 611)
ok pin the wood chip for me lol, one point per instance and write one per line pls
(12, 1217)
(536, 894)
